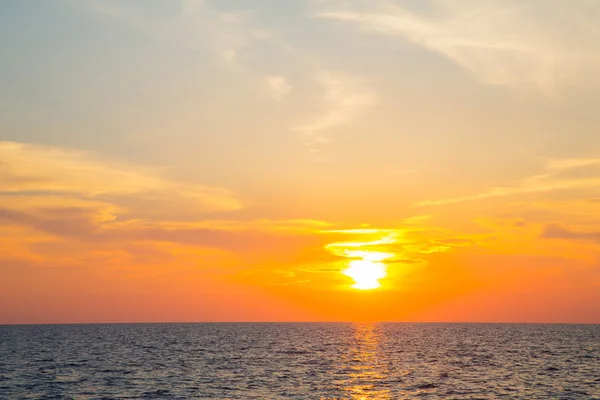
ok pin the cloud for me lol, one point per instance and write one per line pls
(555, 231)
(238, 42)
(395, 245)
(226, 32)
(562, 174)
(571, 163)
(88, 207)
(346, 97)
(196, 24)
(502, 42)
(37, 171)
(273, 239)
(279, 86)
(68, 222)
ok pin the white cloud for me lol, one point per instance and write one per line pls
(345, 98)
(279, 86)
(503, 42)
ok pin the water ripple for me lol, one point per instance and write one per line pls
(327, 361)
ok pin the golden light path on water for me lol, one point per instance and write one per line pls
(367, 265)
(366, 365)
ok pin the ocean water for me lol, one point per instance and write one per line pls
(300, 360)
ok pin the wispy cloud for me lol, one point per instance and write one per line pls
(562, 174)
(345, 98)
(503, 42)
(53, 171)
(196, 24)
(235, 39)
(244, 237)
(71, 196)
(555, 231)
(225, 32)
(279, 86)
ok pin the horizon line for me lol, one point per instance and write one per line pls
(300, 322)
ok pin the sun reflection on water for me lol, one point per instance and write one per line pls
(366, 368)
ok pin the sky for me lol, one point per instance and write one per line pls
(301, 160)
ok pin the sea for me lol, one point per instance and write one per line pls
(300, 361)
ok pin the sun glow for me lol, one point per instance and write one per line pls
(366, 273)
(367, 263)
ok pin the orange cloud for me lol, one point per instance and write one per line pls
(36, 171)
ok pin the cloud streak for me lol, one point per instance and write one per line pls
(32, 170)
(506, 42)
(345, 98)
(563, 174)
(555, 231)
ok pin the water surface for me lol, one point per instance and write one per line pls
(303, 360)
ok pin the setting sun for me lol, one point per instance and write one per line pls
(366, 265)
(366, 273)
(368, 269)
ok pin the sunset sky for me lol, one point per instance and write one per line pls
(242, 160)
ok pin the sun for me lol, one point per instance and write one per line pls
(366, 273)
(366, 257)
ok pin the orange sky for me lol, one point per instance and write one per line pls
(239, 161)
